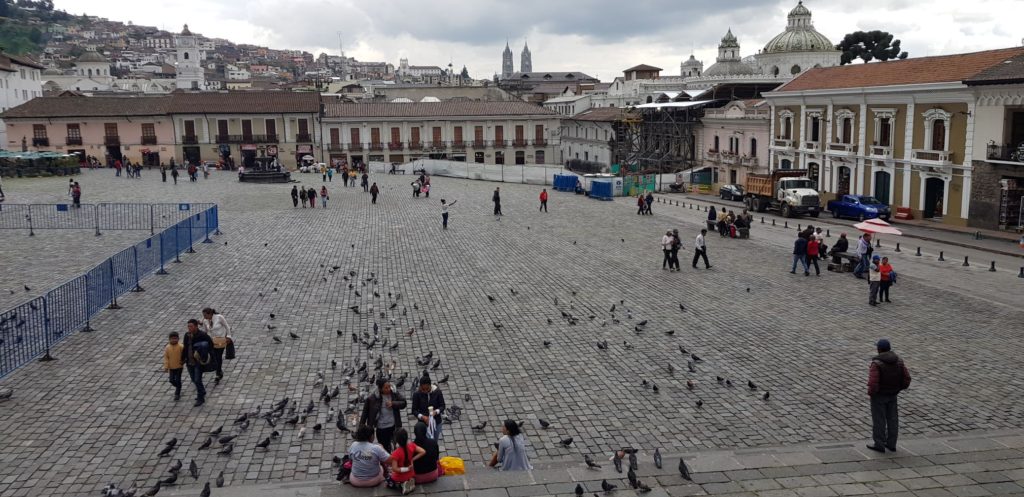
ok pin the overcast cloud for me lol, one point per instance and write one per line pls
(599, 37)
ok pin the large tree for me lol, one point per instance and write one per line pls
(870, 45)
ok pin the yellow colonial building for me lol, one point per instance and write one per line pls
(902, 131)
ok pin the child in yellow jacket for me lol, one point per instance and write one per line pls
(173, 363)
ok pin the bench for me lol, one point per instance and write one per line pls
(839, 266)
(743, 233)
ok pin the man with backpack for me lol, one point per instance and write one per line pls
(887, 377)
(198, 352)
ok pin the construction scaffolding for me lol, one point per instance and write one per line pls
(657, 139)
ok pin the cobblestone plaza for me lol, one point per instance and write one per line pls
(103, 410)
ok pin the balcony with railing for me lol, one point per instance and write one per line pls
(750, 162)
(247, 138)
(932, 157)
(355, 146)
(303, 138)
(880, 152)
(782, 143)
(734, 114)
(519, 143)
(479, 144)
(729, 158)
(73, 140)
(189, 139)
(499, 143)
(112, 141)
(540, 143)
(148, 140)
(395, 146)
(1005, 154)
(810, 146)
(842, 149)
(415, 145)
(458, 144)
(713, 155)
(40, 142)
(376, 146)
(335, 147)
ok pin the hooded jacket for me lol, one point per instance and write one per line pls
(434, 398)
(887, 375)
(371, 410)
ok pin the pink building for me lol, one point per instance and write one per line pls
(736, 138)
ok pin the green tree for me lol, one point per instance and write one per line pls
(868, 46)
(35, 36)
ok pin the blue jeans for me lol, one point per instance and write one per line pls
(196, 374)
(802, 259)
(862, 266)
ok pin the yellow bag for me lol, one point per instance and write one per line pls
(452, 465)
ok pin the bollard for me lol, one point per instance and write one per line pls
(965, 264)
(878, 242)
(773, 222)
(940, 256)
(828, 233)
(705, 208)
(798, 227)
(762, 219)
(992, 268)
(1021, 273)
(787, 225)
(918, 252)
(897, 246)
(977, 235)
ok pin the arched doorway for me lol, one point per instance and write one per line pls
(786, 164)
(843, 181)
(882, 186)
(934, 188)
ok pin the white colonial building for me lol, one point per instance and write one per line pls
(20, 81)
(188, 66)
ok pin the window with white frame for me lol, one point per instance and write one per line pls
(884, 133)
(844, 126)
(786, 125)
(936, 129)
(813, 126)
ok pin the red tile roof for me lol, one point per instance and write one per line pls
(642, 67)
(600, 114)
(70, 105)
(922, 70)
(7, 62)
(244, 102)
(449, 108)
(1008, 71)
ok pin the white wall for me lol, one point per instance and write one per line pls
(14, 91)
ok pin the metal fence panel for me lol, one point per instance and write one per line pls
(122, 266)
(63, 216)
(22, 334)
(183, 235)
(99, 287)
(124, 216)
(147, 256)
(167, 215)
(168, 239)
(14, 216)
(67, 309)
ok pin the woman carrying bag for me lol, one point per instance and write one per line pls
(217, 327)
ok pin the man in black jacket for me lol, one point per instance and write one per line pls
(383, 412)
(428, 397)
(887, 377)
(496, 198)
(198, 351)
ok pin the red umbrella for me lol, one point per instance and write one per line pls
(877, 226)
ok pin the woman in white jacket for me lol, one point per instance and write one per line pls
(217, 327)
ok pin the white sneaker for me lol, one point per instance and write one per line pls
(408, 486)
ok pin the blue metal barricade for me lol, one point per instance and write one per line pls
(31, 329)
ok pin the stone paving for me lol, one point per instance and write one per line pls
(101, 412)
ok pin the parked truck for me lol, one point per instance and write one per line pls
(789, 191)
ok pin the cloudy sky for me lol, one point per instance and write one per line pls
(599, 37)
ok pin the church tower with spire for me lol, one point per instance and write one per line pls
(526, 59)
(506, 63)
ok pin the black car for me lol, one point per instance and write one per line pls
(731, 192)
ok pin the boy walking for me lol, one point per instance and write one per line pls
(173, 363)
(543, 200)
(444, 212)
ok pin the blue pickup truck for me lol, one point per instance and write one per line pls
(859, 207)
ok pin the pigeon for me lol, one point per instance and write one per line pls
(547, 343)
(272, 316)
(436, 365)
(276, 340)
(167, 450)
(579, 490)
(682, 308)
(671, 369)
(293, 335)
(700, 403)
(565, 442)
(670, 332)
(220, 479)
(442, 381)
(657, 458)
(206, 444)
(691, 367)
(27, 289)
(654, 387)
(226, 439)
(543, 423)
(175, 467)
(172, 442)
(684, 471)
(751, 385)
(206, 490)
(318, 427)
(480, 426)
(642, 488)
(617, 460)
(590, 462)
(275, 434)
(695, 358)
(766, 395)
(193, 469)
(631, 476)
(153, 491)
(263, 444)
(334, 364)
(226, 451)
(728, 383)
(632, 461)
(271, 327)
(490, 298)
(241, 419)
(607, 487)
(642, 323)
(170, 480)
(612, 309)
(689, 384)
